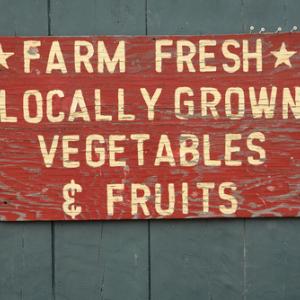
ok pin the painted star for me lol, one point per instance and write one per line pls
(4, 56)
(283, 56)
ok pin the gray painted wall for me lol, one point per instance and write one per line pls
(149, 260)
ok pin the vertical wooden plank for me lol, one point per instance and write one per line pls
(199, 259)
(100, 260)
(96, 17)
(25, 248)
(264, 13)
(272, 246)
(194, 17)
(25, 259)
(272, 259)
(291, 8)
(28, 17)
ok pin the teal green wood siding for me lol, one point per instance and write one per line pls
(149, 260)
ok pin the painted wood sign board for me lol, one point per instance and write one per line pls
(118, 127)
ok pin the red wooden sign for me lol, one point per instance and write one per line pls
(96, 128)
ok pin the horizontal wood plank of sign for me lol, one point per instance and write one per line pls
(98, 128)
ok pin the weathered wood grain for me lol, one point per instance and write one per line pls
(100, 260)
(262, 174)
(25, 248)
(187, 260)
(264, 275)
(271, 262)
